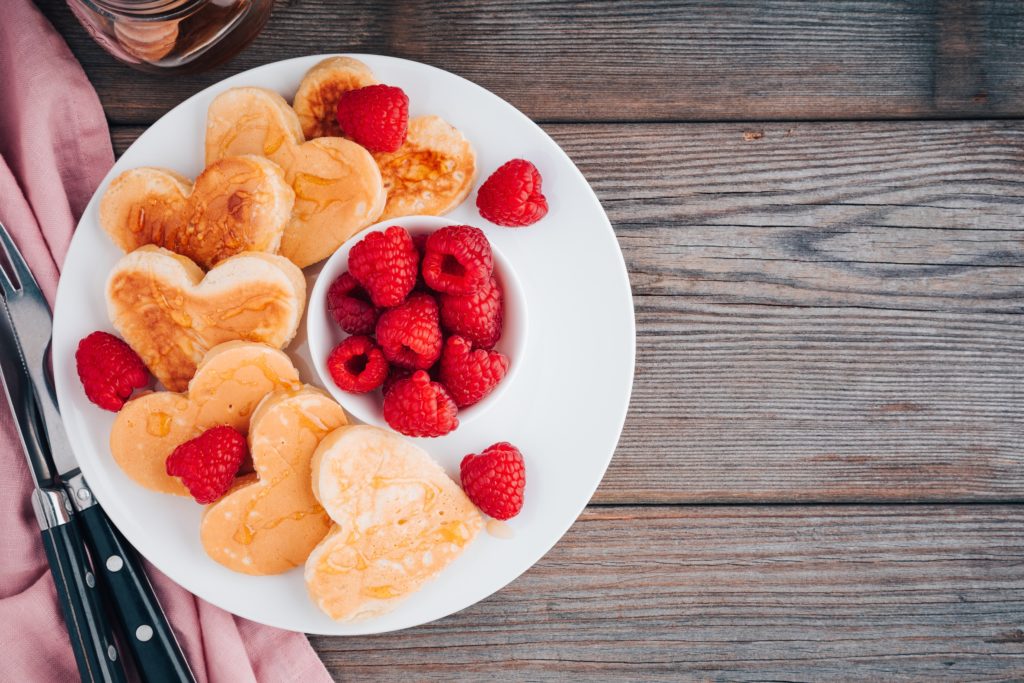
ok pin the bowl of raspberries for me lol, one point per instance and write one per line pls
(417, 324)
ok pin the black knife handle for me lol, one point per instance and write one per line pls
(90, 634)
(158, 657)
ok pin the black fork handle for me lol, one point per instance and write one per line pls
(158, 657)
(91, 638)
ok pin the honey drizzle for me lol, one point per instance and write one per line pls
(454, 532)
(158, 424)
(247, 529)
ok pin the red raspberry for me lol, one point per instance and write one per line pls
(377, 116)
(458, 260)
(495, 480)
(470, 375)
(396, 375)
(512, 196)
(350, 306)
(385, 263)
(410, 335)
(109, 370)
(357, 365)
(476, 317)
(208, 463)
(419, 407)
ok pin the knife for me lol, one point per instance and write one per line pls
(26, 328)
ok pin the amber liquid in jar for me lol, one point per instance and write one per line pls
(172, 35)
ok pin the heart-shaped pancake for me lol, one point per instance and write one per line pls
(399, 520)
(230, 381)
(431, 173)
(338, 187)
(316, 100)
(171, 314)
(269, 522)
(237, 204)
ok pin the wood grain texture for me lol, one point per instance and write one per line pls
(825, 311)
(646, 60)
(754, 593)
(896, 216)
(764, 403)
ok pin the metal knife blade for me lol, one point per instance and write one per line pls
(22, 404)
(31, 326)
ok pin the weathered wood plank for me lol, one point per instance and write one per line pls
(908, 215)
(770, 403)
(649, 60)
(750, 593)
(825, 312)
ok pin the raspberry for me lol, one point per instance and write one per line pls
(208, 463)
(512, 196)
(470, 375)
(357, 365)
(350, 306)
(419, 407)
(396, 375)
(376, 116)
(476, 317)
(385, 263)
(495, 479)
(410, 334)
(109, 370)
(458, 260)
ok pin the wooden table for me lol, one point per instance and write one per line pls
(820, 205)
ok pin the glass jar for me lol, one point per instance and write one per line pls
(172, 35)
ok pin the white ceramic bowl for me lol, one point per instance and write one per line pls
(323, 333)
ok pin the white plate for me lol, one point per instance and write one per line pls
(565, 410)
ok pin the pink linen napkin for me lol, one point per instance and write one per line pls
(54, 150)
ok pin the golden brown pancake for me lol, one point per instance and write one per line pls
(237, 204)
(431, 173)
(269, 522)
(231, 379)
(399, 520)
(338, 187)
(171, 314)
(316, 101)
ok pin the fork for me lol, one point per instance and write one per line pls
(130, 596)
